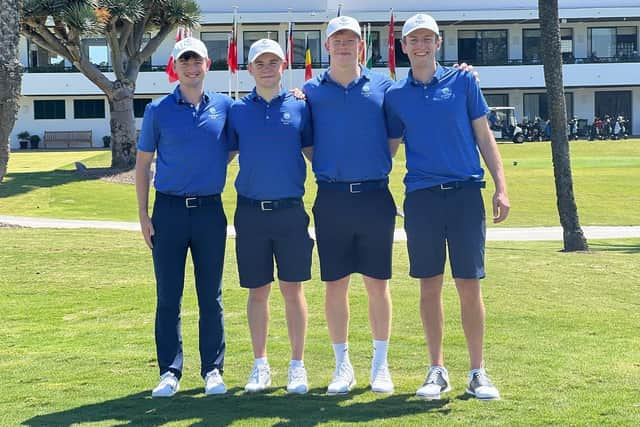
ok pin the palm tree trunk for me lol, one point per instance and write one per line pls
(123, 129)
(573, 236)
(10, 76)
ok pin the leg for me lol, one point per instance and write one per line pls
(472, 311)
(258, 316)
(208, 241)
(296, 312)
(379, 307)
(432, 316)
(337, 309)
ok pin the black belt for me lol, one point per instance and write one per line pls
(190, 202)
(269, 205)
(353, 187)
(457, 185)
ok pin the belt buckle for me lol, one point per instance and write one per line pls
(264, 207)
(447, 187)
(189, 205)
(354, 190)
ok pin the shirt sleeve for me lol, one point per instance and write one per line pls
(148, 140)
(476, 104)
(307, 126)
(395, 127)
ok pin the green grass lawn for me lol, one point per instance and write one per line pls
(77, 341)
(605, 183)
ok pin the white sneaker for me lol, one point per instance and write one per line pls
(381, 379)
(259, 379)
(213, 383)
(343, 379)
(297, 380)
(437, 382)
(168, 385)
(481, 386)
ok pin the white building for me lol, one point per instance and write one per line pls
(600, 43)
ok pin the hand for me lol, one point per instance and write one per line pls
(298, 94)
(501, 207)
(469, 69)
(146, 226)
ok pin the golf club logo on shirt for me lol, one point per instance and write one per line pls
(443, 94)
(286, 118)
(366, 91)
(213, 113)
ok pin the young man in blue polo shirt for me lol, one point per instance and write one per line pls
(269, 128)
(441, 114)
(354, 211)
(186, 131)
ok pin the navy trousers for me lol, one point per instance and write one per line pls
(201, 226)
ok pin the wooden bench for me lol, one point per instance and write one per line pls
(67, 139)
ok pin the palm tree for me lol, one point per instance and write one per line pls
(10, 76)
(573, 236)
(133, 30)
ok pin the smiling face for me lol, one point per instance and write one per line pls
(343, 47)
(191, 69)
(267, 70)
(421, 47)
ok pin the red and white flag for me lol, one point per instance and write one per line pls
(232, 54)
(180, 34)
(289, 55)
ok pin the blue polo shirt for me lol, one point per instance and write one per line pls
(269, 137)
(435, 120)
(350, 137)
(191, 143)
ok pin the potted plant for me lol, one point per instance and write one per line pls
(23, 137)
(106, 141)
(34, 141)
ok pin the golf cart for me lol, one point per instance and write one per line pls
(504, 126)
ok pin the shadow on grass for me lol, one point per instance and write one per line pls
(21, 183)
(631, 248)
(193, 407)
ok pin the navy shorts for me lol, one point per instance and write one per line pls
(436, 220)
(267, 231)
(354, 232)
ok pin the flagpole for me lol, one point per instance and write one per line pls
(290, 53)
(235, 31)
(230, 73)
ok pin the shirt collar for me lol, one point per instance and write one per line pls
(365, 73)
(437, 76)
(255, 97)
(177, 95)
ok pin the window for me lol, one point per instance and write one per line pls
(249, 37)
(49, 109)
(217, 45)
(531, 45)
(42, 58)
(483, 47)
(299, 47)
(613, 42)
(614, 104)
(536, 105)
(139, 105)
(98, 51)
(497, 99)
(88, 109)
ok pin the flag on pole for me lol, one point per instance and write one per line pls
(339, 9)
(180, 34)
(392, 48)
(362, 54)
(308, 73)
(289, 55)
(369, 49)
(232, 53)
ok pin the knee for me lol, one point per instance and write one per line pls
(260, 295)
(292, 292)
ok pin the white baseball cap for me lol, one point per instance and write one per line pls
(343, 23)
(189, 44)
(420, 21)
(265, 46)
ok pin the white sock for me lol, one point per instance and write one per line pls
(296, 363)
(341, 352)
(260, 361)
(380, 348)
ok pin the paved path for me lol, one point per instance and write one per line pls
(493, 233)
